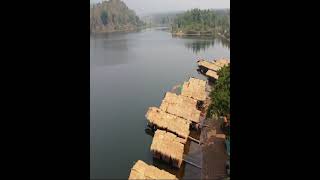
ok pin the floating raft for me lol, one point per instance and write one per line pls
(194, 88)
(141, 170)
(169, 122)
(181, 106)
(168, 147)
(212, 74)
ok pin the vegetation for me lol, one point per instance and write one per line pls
(160, 19)
(198, 21)
(113, 15)
(104, 17)
(220, 96)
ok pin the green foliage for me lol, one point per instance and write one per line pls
(197, 20)
(113, 14)
(104, 17)
(220, 96)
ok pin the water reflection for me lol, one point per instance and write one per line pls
(108, 50)
(202, 43)
(225, 43)
(199, 45)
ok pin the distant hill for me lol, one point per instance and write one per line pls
(160, 19)
(111, 16)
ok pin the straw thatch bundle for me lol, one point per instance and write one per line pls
(212, 74)
(168, 122)
(221, 62)
(181, 106)
(141, 170)
(167, 146)
(194, 88)
(208, 65)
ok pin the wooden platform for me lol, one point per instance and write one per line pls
(141, 170)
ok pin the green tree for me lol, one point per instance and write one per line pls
(196, 20)
(104, 17)
(220, 96)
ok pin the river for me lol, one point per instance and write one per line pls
(130, 72)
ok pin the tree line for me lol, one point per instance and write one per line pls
(196, 20)
(112, 15)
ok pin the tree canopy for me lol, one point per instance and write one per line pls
(197, 20)
(220, 95)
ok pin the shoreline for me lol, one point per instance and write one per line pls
(117, 31)
(214, 152)
(199, 34)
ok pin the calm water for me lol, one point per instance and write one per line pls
(129, 73)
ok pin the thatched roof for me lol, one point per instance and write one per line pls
(181, 106)
(194, 88)
(212, 74)
(141, 170)
(168, 122)
(208, 65)
(221, 62)
(168, 145)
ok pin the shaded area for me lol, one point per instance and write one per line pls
(214, 151)
(199, 45)
(192, 152)
(202, 43)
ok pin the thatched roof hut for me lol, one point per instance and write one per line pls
(168, 122)
(181, 106)
(194, 88)
(167, 146)
(208, 65)
(141, 170)
(221, 62)
(212, 74)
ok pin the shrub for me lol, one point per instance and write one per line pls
(220, 96)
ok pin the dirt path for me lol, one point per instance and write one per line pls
(214, 151)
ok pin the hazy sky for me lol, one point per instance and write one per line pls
(142, 7)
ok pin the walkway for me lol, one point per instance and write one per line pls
(214, 151)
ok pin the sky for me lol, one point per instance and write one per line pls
(144, 7)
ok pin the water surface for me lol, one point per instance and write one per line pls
(128, 73)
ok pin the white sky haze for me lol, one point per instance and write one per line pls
(142, 7)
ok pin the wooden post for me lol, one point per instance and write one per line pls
(193, 139)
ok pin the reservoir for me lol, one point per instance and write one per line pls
(130, 72)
